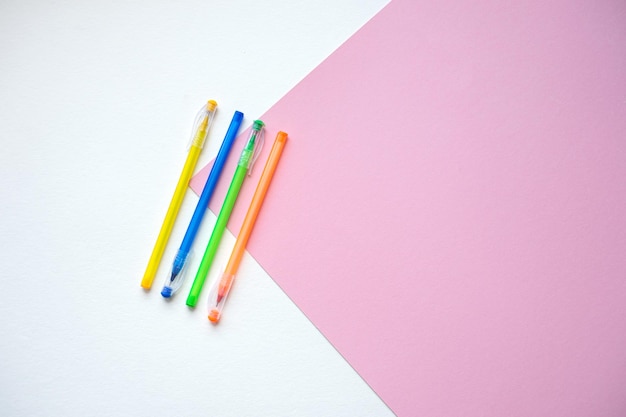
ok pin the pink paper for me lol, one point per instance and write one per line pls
(450, 210)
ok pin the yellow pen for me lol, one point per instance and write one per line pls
(199, 133)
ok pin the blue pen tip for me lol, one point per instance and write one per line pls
(167, 292)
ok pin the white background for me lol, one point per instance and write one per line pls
(97, 100)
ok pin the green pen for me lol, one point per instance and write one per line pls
(248, 156)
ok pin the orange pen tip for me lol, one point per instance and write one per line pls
(214, 316)
(211, 105)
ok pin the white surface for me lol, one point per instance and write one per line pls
(97, 102)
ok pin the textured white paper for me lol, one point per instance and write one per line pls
(97, 102)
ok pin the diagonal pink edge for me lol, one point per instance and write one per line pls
(450, 210)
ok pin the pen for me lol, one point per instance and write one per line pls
(177, 275)
(220, 290)
(199, 133)
(248, 156)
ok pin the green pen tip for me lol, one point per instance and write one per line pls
(258, 124)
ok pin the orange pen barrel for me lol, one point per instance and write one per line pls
(219, 291)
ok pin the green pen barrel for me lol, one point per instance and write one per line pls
(216, 236)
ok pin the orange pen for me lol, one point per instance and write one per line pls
(220, 290)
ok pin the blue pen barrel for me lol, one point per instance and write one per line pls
(177, 274)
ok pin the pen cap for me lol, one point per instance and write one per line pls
(176, 276)
(253, 147)
(202, 123)
(218, 294)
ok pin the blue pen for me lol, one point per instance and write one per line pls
(177, 276)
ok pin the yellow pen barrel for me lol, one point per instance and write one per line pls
(200, 132)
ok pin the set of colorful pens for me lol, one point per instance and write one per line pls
(249, 154)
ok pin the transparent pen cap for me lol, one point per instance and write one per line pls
(176, 276)
(253, 147)
(202, 123)
(217, 296)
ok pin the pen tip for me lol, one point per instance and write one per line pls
(214, 316)
(166, 292)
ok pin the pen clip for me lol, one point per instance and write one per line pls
(260, 140)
